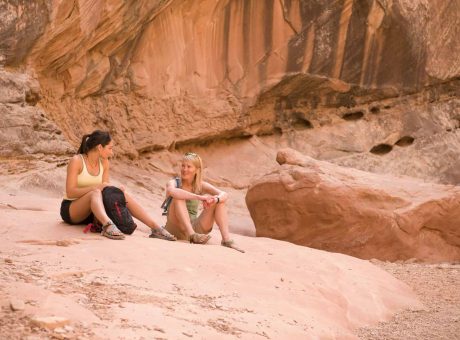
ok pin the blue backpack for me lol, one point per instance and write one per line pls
(168, 200)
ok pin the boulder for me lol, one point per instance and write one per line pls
(326, 206)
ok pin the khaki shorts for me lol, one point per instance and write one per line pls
(176, 231)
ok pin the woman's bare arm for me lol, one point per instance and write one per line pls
(105, 175)
(212, 190)
(173, 191)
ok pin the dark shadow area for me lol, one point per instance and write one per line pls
(405, 141)
(353, 116)
(299, 122)
(375, 110)
(381, 149)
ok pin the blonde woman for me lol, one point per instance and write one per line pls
(186, 193)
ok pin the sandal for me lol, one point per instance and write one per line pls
(199, 238)
(162, 234)
(231, 244)
(111, 231)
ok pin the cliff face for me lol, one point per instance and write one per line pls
(21, 24)
(340, 80)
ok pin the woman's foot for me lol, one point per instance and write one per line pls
(231, 244)
(111, 231)
(199, 238)
(162, 234)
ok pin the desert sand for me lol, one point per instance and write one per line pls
(437, 286)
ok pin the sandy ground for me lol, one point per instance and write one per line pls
(143, 288)
(438, 287)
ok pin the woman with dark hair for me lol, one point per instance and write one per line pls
(87, 176)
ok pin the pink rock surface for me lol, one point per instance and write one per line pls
(148, 287)
(325, 206)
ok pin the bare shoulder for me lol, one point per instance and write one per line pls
(76, 161)
(75, 164)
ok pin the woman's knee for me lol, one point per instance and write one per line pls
(96, 194)
(178, 202)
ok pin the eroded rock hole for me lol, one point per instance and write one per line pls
(375, 110)
(353, 115)
(405, 141)
(381, 149)
(32, 98)
(299, 122)
(303, 124)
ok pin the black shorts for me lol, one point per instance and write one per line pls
(65, 214)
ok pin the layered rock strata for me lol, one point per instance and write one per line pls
(369, 84)
(325, 206)
(25, 130)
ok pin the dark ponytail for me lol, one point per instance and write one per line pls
(89, 142)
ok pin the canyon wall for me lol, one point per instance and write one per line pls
(372, 84)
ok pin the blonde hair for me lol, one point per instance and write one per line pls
(198, 163)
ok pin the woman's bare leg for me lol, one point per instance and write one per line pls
(178, 215)
(217, 213)
(138, 212)
(90, 202)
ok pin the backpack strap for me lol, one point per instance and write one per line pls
(168, 200)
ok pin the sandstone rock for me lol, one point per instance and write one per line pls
(49, 322)
(413, 134)
(228, 73)
(25, 130)
(60, 330)
(371, 84)
(18, 88)
(17, 305)
(325, 206)
(21, 23)
(91, 42)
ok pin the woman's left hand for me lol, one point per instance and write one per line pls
(210, 200)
